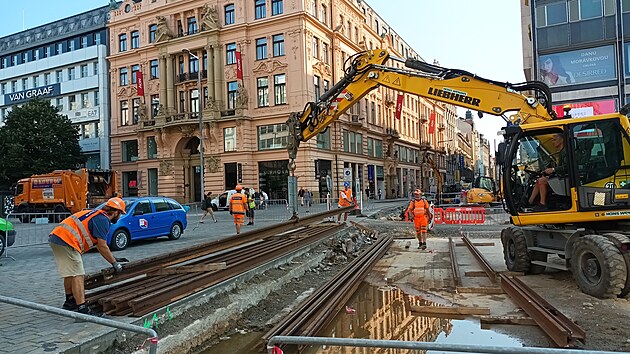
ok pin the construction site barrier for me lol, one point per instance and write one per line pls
(463, 215)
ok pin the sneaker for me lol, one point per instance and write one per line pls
(250, 223)
(88, 311)
(424, 246)
(216, 221)
(201, 221)
(70, 305)
(540, 208)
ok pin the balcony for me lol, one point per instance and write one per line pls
(355, 119)
(392, 133)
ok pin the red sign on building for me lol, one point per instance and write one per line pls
(399, 105)
(432, 123)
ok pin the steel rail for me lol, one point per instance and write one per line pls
(560, 329)
(556, 325)
(140, 267)
(457, 279)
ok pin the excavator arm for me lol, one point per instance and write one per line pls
(366, 71)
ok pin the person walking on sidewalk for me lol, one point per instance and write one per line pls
(238, 207)
(345, 200)
(76, 235)
(419, 210)
(251, 204)
(307, 199)
(206, 205)
(301, 195)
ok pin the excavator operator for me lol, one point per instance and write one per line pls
(542, 183)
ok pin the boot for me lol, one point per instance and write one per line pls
(70, 305)
(84, 309)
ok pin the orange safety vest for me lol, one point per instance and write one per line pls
(420, 208)
(237, 203)
(74, 230)
(342, 201)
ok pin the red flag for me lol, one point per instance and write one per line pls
(239, 66)
(432, 123)
(139, 83)
(399, 105)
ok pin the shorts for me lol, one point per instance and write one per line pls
(239, 219)
(68, 260)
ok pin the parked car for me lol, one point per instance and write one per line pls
(7, 235)
(147, 217)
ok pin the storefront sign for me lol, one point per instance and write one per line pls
(587, 109)
(578, 66)
(39, 92)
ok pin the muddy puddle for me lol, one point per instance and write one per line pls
(383, 313)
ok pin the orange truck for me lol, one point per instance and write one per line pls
(64, 191)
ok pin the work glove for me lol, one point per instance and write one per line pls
(117, 267)
(122, 260)
(231, 213)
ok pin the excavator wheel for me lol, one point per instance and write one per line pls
(515, 250)
(598, 267)
(621, 238)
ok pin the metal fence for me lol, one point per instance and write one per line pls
(34, 228)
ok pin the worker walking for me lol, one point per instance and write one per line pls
(76, 235)
(419, 210)
(238, 207)
(345, 200)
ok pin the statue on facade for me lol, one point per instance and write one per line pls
(162, 33)
(211, 104)
(142, 112)
(241, 97)
(209, 17)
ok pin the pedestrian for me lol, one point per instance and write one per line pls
(206, 205)
(345, 200)
(76, 235)
(265, 199)
(380, 194)
(419, 210)
(367, 193)
(238, 207)
(251, 203)
(307, 199)
(257, 198)
(301, 195)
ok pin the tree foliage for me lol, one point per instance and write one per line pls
(37, 139)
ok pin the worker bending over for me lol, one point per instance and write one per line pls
(419, 210)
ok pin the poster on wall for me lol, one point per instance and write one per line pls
(577, 66)
(586, 109)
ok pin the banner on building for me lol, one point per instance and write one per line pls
(586, 109)
(140, 83)
(578, 66)
(399, 105)
(432, 123)
(37, 92)
(239, 66)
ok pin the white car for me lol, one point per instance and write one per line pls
(222, 202)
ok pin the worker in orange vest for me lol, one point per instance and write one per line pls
(76, 235)
(419, 210)
(238, 207)
(345, 200)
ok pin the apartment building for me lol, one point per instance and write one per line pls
(63, 61)
(290, 53)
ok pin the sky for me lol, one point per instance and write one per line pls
(481, 36)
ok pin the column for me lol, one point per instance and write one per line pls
(170, 86)
(218, 77)
(210, 71)
(163, 84)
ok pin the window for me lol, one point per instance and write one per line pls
(180, 29)
(181, 64)
(122, 42)
(229, 138)
(124, 80)
(229, 14)
(85, 102)
(324, 17)
(96, 101)
(370, 147)
(154, 69)
(130, 150)
(325, 52)
(134, 73)
(84, 70)
(326, 85)
(155, 105)
(260, 9)
(352, 142)
(35, 81)
(323, 140)
(230, 53)
(135, 39)
(14, 86)
(551, 14)
(182, 101)
(315, 47)
(135, 110)
(95, 68)
(280, 89)
(193, 64)
(263, 91)
(124, 113)
(143, 207)
(276, 7)
(3, 88)
(273, 136)
(153, 182)
(314, 8)
(278, 45)
(232, 87)
(316, 86)
(70, 74)
(152, 32)
(192, 25)
(587, 9)
(261, 48)
(205, 60)
(152, 151)
(59, 103)
(194, 103)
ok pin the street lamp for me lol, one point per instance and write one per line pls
(199, 109)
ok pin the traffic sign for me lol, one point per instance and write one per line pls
(347, 174)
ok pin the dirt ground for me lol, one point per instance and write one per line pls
(605, 321)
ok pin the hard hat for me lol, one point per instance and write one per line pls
(238, 187)
(116, 203)
(346, 184)
(417, 193)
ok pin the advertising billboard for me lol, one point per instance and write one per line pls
(38, 92)
(578, 66)
(589, 108)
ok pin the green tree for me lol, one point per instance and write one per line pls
(37, 139)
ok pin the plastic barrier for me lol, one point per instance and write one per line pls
(471, 215)
(438, 215)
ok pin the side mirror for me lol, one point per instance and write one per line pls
(138, 212)
(500, 153)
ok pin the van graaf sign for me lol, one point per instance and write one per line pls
(578, 66)
(39, 92)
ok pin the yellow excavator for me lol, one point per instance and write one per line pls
(483, 192)
(565, 181)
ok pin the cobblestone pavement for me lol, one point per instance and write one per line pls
(32, 276)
